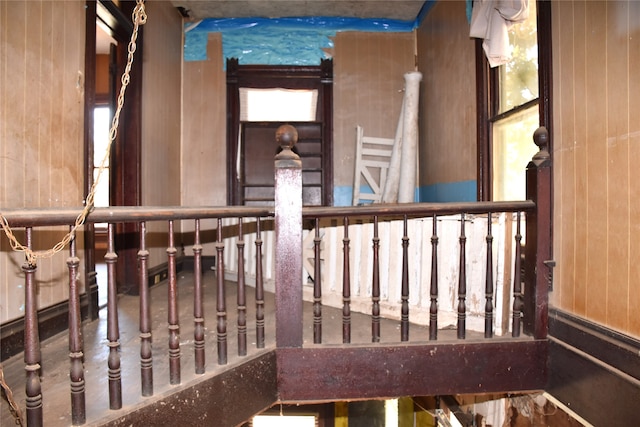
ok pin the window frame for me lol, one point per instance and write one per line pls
(487, 99)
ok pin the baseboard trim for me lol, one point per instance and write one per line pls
(51, 321)
(208, 262)
(593, 370)
(54, 319)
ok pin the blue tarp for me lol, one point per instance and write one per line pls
(293, 41)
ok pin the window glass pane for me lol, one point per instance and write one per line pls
(513, 148)
(278, 105)
(519, 77)
(101, 126)
(101, 197)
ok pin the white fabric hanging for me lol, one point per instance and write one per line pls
(491, 20)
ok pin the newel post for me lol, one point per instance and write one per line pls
(538, 251)
(288, 245)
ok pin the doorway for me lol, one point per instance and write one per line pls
(251, 143)
(108, 31)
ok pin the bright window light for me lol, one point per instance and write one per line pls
(278, 105)
(391, 413)
(284, 421)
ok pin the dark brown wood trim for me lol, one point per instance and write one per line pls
(593, 370)
(545, 67)
(482, 128)
(545, 83)
(608, 346)
(89, 104)
(326, 79)
(233, 117)
(52, 320)
(160, 272)
(361, 372)
(208, 262)
(285, 76)
(125, 188)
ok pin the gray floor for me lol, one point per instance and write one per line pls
(55, 353)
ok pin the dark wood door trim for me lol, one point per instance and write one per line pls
(125, 178)
(283, 76)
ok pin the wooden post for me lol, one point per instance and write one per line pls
(288, 226)
(538, 252)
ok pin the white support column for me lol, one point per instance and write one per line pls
(409, 157)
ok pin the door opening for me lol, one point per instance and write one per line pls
(260, 98)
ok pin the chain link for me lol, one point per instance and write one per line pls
(139, 17)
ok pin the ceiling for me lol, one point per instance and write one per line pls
(406, 10)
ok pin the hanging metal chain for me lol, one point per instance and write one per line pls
(139, 17)
(14, 408)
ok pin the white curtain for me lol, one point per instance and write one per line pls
(491, 20)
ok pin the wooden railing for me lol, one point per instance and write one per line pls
(532, 304)
(287, 217)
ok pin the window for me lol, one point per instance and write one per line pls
(513, 100)
(515, 113)
(278, 105)
(101, 127)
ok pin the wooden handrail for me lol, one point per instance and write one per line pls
(38, 217)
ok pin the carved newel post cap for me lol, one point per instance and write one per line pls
(286, 136)
(541, 139)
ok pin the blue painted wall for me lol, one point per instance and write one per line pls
(463, 191)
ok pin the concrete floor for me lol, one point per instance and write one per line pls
(55, 353)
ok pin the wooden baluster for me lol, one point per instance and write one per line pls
(198, 305)
(242, 300)
(462, 283)
(488, 287)
(221, 306)
(113, 329)
(404, 319)
(518, 300)
(146, 357)
(259, 289)
(174, 322)
(317, 287)
(433, 291)
(32, 355)
(375, 286)
(76, 355)
(346, 285)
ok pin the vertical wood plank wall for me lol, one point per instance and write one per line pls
(41, 135)
(368, 88)
(596, 59)
(203, 165)
(447, 98)
(161, 111)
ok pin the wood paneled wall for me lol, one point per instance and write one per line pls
(41, 132)
(204, 133)
(596, 56)
(161, 111)
(204, 154)
(446, 58)
(368, 88)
